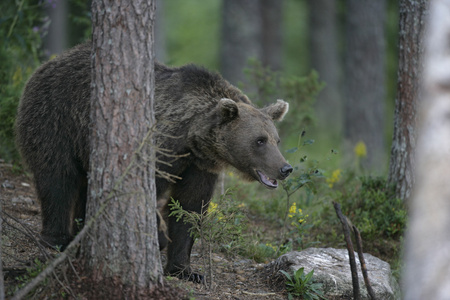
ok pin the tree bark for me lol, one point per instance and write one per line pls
(401, 166)
(323, 36)
(426, 274)
(122, 246)
(241, 37)
(2, 281)
(364, 80)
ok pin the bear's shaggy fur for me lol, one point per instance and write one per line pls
(200, 116)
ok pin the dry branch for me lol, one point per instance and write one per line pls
(363, 263)
(28, 232)
(351, 251)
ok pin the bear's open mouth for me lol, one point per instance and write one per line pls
(270, 183)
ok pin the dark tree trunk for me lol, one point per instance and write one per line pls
(325, 60)
(364, 80)
(122, 248)
(426, 273)
(241, 37)
(272, 38)
(2, 281)
(401, 167)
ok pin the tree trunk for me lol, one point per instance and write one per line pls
(160, 32)
(271, 35)
(427, 272)
(401, 167)
(241, 37)
(2, 281)
(55, 42)
(323, 36)
(122, 248)
(364, 79)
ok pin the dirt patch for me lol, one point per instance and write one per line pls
(20, 225)
(232, 279)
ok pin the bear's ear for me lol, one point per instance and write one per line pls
(277, 111)
(228, 110)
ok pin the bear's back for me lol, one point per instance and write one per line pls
(54, 111)
(55, 105)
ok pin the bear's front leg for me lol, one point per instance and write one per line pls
(194, 189)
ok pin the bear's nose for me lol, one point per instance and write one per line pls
(286, 170)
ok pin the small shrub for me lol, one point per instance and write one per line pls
(374, 209)
(31, 273)
(219, 226)
(301, 285)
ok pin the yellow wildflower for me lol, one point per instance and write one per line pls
(360, 149)
(212, 207)
(335, 177)
(292, 210)
(241, 205)
(271, 246)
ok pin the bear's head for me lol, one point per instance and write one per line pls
(248, 140)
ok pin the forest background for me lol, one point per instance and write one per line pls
(291, 37)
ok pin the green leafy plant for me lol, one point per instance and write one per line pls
(19, 55)
(31, 273)
(303, 176)
(301, 285)
(219, 226)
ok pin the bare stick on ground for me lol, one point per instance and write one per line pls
(363, 263)
(351, 251)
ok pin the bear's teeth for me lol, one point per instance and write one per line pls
(272, 183)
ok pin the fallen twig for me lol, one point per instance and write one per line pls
(28, 232)
(351, 251)
(258, 294)
(51, 267)
(363, 263)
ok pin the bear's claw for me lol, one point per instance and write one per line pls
(194, 277)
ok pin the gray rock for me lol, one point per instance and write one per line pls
(332, 269)
(8, 185)
(23, 200)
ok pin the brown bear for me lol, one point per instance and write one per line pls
(200, 116)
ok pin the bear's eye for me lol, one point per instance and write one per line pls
(261, 141)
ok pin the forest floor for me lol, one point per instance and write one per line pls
(233, 279)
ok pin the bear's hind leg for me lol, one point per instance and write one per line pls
(58, 195)
(194, 189)
(79, 205)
